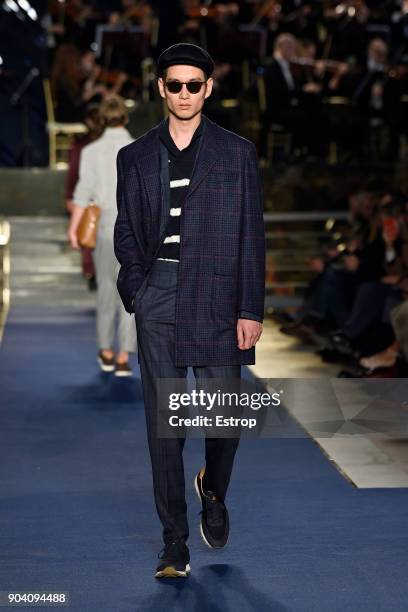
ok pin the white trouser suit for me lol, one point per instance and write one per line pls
(97, 183)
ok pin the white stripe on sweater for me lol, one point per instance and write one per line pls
(180, 183)
(167, 259)
(173, 238)
(175, 212)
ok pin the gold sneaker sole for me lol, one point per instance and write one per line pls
(171, 572)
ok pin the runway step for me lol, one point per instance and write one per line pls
(293, 239)
(44, 268)
(44, 265)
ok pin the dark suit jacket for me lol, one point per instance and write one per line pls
(222, 249)
(279, 97)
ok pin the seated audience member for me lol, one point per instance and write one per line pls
(340, 272)
(398, 314)
(375, 300)
(398, 349)
(399, 321)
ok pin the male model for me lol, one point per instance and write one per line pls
(190, 239)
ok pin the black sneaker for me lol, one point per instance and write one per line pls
(214, 525)
(107, 364)
(123, 369)
(175, 558)
(342, 344)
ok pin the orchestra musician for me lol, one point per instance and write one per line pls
(134, 12)
(286, 94)
(376, 90)
(73, 83)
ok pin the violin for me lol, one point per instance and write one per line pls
(265, 9)
(328, 64)
(142, 11)
(197, 12)
(397, 71)
(59, 9)
(116, 77)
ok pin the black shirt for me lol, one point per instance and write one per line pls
(181, 164)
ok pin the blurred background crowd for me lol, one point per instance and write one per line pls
(303, 79)
(355, 307)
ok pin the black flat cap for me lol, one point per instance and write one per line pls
(185, 53)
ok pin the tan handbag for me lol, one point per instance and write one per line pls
(86, 232)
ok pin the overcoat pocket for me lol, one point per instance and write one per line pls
(224, 285)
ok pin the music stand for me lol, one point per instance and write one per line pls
(127, 45)
(254, 41)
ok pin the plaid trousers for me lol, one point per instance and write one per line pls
(155, 318)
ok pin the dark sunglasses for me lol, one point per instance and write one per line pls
(192, 86)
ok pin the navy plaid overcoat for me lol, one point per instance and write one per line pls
(222, 241)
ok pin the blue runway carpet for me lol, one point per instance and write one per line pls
(77, 512)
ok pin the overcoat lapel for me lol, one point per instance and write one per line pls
(206, 157)
(150, 165)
